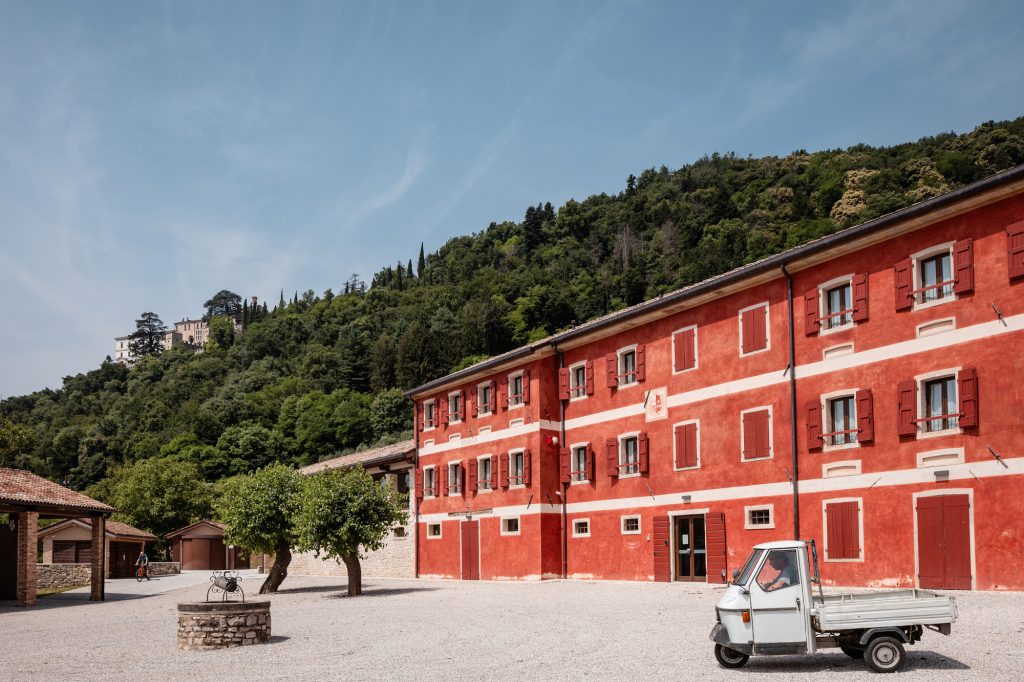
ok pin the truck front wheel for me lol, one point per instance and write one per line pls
(730, 658)
(885, 654)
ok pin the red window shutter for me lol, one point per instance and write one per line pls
(764, 425)
(641, 363)
(612, 448)
(564, 466)
(526, 386)
(749, 446)
(444, 481)
(686, 446)
(843, 537)
(755, 329)
(443, 403)
(462, 405)
(1015, 249)
(852, 530)
(422, 416)
(865, 416)
(462, 477)
(662, 537)
(527, 458)
(503, 467)
(859, 285)
(907, 400)
(747, 331)
(678, 352)
(494, 474)
(590, 464)
(612, 364)
(419, 484)
(685, 350)
(590, 377)
(563, 383)
(755, 435)
(471, 479)
(814, 438)
(904, 285)
(834, 534)
(643, 453)
(503, 393)
(717, 547)
(494, 397)
(967, 388)
(474, 399)
(963, 266)
(811, 319)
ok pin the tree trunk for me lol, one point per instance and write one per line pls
(279, 571)
(355, 575)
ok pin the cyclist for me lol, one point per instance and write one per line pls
(142, 563)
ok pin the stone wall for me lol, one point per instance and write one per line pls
(396, 559)
(51, 576)
(164, 567)
(219, 625)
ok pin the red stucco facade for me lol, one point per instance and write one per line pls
(909, 502)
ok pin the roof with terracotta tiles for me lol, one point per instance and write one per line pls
(367, 458)
(23, 488)
(217, 525)
(115, 529)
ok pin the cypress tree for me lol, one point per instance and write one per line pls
(281, 304)
(409, 269)
(421, 264)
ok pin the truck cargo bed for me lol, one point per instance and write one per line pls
(881, 609)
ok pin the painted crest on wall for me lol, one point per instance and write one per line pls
(656, 404)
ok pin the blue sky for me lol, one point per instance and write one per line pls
(154, 153)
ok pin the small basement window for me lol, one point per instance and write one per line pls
(760, 517)
(510, 526)
(581, 528)
(630, 525)
(433, 530)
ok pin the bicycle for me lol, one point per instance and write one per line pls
(142, 572)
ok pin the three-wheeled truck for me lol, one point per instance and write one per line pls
(769, 608)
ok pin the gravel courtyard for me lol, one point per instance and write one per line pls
(415, 630)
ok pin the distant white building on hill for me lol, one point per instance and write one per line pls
(194, 333)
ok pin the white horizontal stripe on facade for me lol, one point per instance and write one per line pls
(489, 437)
(497, 512)
(957, 472)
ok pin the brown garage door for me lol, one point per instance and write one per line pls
(944, 542)
(202, 554)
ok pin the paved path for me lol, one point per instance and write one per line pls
(130, 588)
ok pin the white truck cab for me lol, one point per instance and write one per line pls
(770, 608)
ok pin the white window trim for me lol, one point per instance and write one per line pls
(513, 423)
(823, 304)
(618, 365)
(433, 420)
(479, 405)
(934, 327)
(506, 532)
(481, 490)
(462, 484)
(455, 437)
(572, 369)
(747, 525)
(580, 535)
(509, 379)
(971, 537)
(428, 443)
(572, 453)
(433, 469)
(837, 351)
(675, 455)
(512, 453)
(462, 408)
(440, 531)
(855, 464)
(623, 437)
(696, 355)
(860, 529)
(951, 457)
(483, 429)
(920, 380)
(915, 279)
(767, 328)
(826, 417)
(639, 524)
(771, 433)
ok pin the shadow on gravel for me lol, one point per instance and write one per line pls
(52, 601)
(340, 590)
(818, 663)
(277, 639)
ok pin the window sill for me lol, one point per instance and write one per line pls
(843, 446)
(579, 482)
(677, 372)
(924, 435)
(578, 398)
(932, 304)
(835, 330)
(631, 532)
(636, 475)
(754, 352)
(631, 384)
(755, 459)
(509, 535)
(762, 526)
(481, 491)
(693, 468)
(516, 406)
(844, 561)
(517, 486)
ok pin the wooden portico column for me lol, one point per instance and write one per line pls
(99, 527)
(28, 529)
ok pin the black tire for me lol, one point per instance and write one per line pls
(730, 658)
(885, 654)
(852, 651)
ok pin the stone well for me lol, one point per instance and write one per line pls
(219, 625)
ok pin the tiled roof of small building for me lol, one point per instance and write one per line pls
(116, 529)
(181, 531)
(395, 451)
(19, 487)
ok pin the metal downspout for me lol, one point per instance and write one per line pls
(415, 468)
(565, 486)
(792, 406)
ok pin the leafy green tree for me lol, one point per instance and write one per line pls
(390, 413)
(148, 337)
(259, 511)
(249, 446)
(223, 304)
(15, 440)
(421, 263)
(345, 512)
(382, 363)
(222, 332)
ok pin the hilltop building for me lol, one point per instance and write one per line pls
(187, 332)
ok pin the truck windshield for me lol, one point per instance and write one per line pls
(748, 567)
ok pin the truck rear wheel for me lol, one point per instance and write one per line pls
(730, 658)
(885, 654)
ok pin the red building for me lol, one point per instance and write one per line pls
(871, 377)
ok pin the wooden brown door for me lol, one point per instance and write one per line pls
(717, 556)
(944, 542)
(662, 561)
(691, 560)
(122, 559)
(470, 550)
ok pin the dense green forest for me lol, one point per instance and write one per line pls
(317, 375)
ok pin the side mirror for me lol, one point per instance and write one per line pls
(735, 574)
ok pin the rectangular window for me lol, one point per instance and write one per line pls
(940, 406)
(630, 525)
(838, 307)
(454, 479)
(516, 470)
(760, 517)
(484, 474)
(455, 408)
(629, 456)
(581, 528)
(756, 434)
(934, 277)
(578, 471)
(433, 530)
(483, 399)
(578, 381)
(684, 349)
(627, 367)
(842, 530)
(515, 390)
(842, 421)
(754, 329)
(686, 454)
(510, 526)
(428, 482)
(429, 418)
